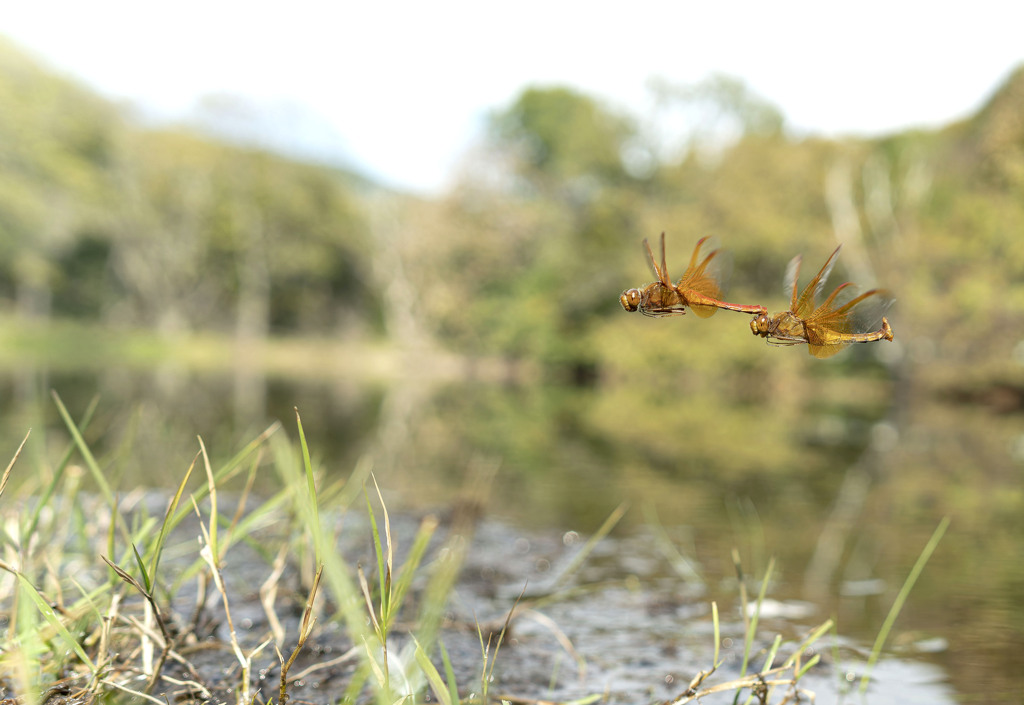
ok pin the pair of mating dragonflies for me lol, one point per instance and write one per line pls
(826, 328)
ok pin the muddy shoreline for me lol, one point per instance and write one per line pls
(622, 628)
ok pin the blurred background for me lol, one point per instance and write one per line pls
(413, 223)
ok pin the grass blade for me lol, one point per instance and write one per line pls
(165, 527)
(443, 693)
(87, 456)
(58, 475)
(603, 531)
(307, 465)
(752, 625)
(211, 488)
(901, 598)
(48, 614)
(141, 565)
(10, 465)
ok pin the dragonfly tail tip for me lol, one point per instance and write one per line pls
(887, 329)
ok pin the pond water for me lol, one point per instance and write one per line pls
(842, 481)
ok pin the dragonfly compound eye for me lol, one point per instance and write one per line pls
(630, 299)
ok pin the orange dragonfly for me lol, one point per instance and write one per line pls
(696, 289)
(826, 329)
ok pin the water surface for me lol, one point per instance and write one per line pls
(842, 481)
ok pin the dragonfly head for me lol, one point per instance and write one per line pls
(630, 299)
(759, 325)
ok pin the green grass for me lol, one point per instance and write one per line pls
(109, 631)
(91, 584)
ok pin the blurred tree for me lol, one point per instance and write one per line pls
(995, 137)
(710, 116)
(167, 229)
(225, 237)
(56, 143)
(159, 237)
(558, 135)
(547, 236)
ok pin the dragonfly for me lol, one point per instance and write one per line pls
(697, 289)
(827, 328)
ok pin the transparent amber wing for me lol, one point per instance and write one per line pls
(698, 279)
(661, 273)
(834, 325)
(790, 281)
(804, 306)
(701, 286)
(825, 350)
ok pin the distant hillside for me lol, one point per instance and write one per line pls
(993, 140)
(282, 127)
(105, 220)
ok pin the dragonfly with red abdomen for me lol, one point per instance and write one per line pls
(826, 329)
(697, 289)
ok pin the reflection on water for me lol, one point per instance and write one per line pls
(841, 486)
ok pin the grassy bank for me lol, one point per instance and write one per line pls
(213, 595)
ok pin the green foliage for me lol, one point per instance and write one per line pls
(103, 220)
(558, 134)
(721, 107)
(525, 257)
(934, 217)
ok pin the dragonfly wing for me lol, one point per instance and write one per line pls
(869, 307)
(702, 310)
(658, 272)
(844, 318)
(826, 270)
(804, 306)
(849, 313)
(696, 254)
(694, 284)
(695, 275)
(698, 279)
(826, 350)
(831, 314)
(665, 278)
(789, 281)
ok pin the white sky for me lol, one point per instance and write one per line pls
(406, 84)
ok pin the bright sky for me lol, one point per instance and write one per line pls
(406, 84)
